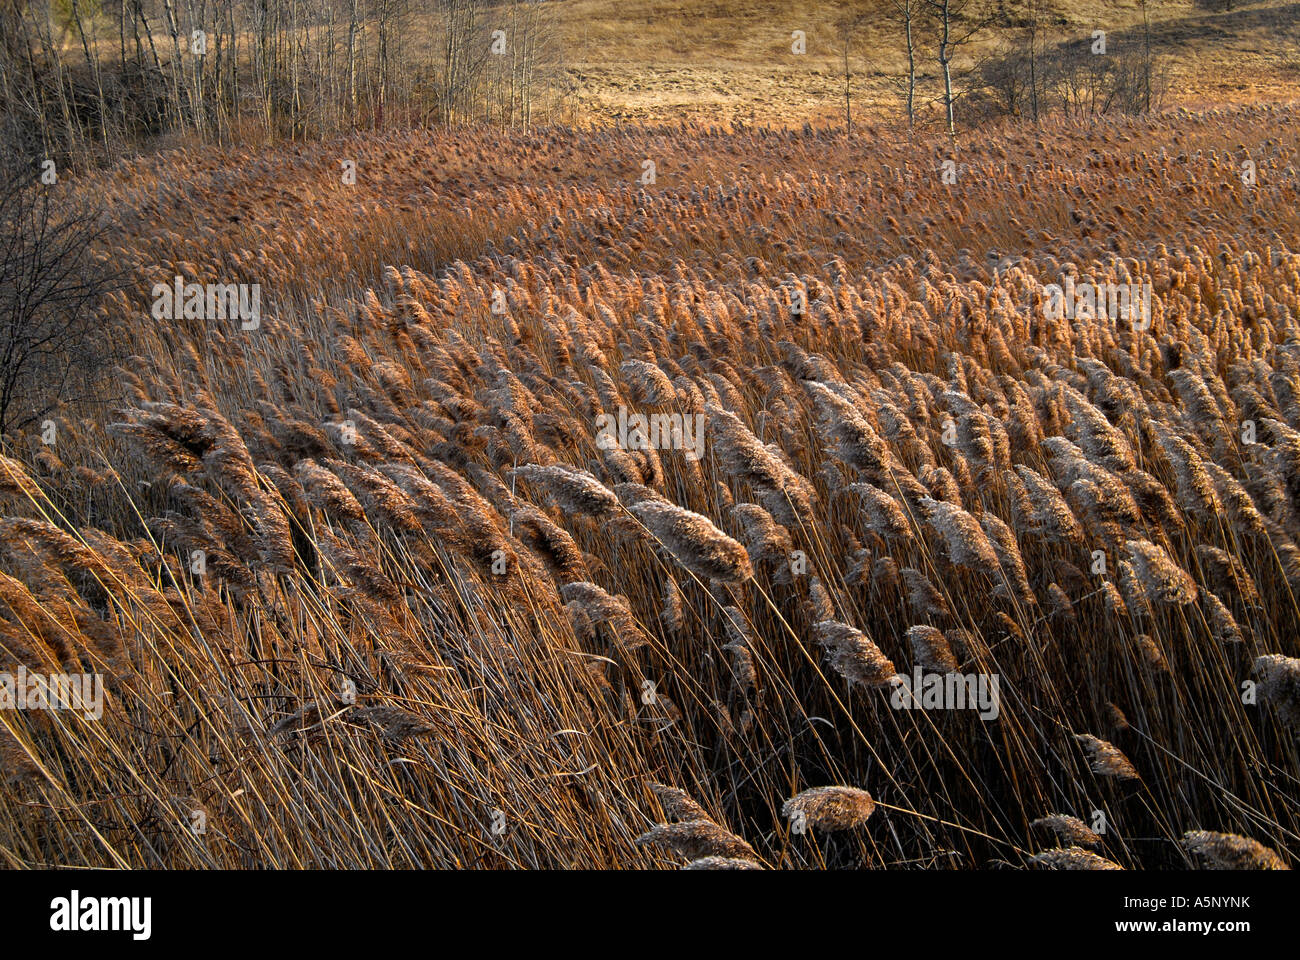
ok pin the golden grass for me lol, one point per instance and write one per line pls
(425, 636)
(649, 61)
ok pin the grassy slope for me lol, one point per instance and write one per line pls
(646, 60)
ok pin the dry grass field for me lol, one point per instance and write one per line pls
(728, 62)
(367, 592)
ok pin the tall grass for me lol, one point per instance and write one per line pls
(435, 624)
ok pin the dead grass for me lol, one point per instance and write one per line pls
(402, 652)
(650, 62)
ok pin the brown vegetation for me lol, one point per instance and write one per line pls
(438, 625)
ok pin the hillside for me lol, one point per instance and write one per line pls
(656, 60)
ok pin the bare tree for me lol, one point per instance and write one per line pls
(1072, 79)
(1031, 35)
(222, 69)
(958, 22)
(904, 15)
(1146, 55)
(847, 25)
(53, 345)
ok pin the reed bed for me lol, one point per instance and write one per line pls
(435, 623)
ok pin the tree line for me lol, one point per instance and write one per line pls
(1026, 65)
(101, 75)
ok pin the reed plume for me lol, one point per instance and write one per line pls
(1072, 858)
(1106, 759)
(853, 655)
(1230, 851)
(572, 489)
(831, 809)
(1066, 830)
(695, 542)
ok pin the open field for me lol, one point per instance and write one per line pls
(726, 62)
(367, 592)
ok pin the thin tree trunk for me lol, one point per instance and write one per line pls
(92, 65)
(945, 60)
(1033, 59)
(352, 62)
(911, 64)
(1146, 55)
(848, 100)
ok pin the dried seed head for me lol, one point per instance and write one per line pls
(608, 610)
(856, 443)
(14, 480)
(672, 616)
(1196, 491)
(831, 809)
(1115, 718)
(765, 540)
(884, 515)
(572, 489)
(930, 647)
(1112, 600)
(1162, 580)
(1227, 575)
(677, 803)
(1107, 760)
(819, 603)
(1230, 851)
(853, 655)
(924, 597)
(743, 670)
(695, 542)
(698, 838)
(649, 383)
(722, 863)
(1150, 652)
(327, 492)
(1051, 517)
(1072, 858)
(553, 544)
(1100, 440)
(1010, 559)
(787, 495)
(1279, 685)
(1223, 625)
(394, 723)
(1066, 830)
(967, 544)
